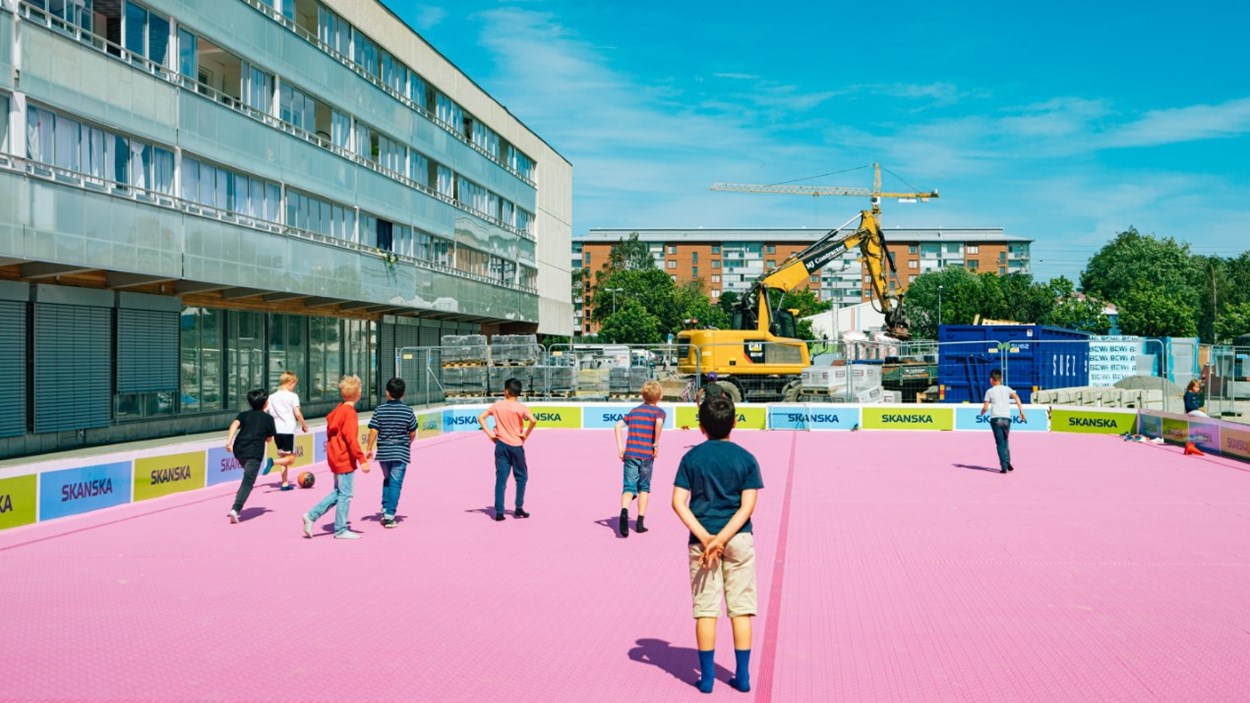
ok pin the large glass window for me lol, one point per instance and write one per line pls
(448, 112)
(485, 138)
(340, 129)
(416, 89)
(394, 73)
(296, 108)
(288, 346)
(359, 345)
(365, 53)
(325, 358)
(446, 183)
(4, 123)
(246, 351)
(201, 371)
(187, 52)
(146, 33)
(258, 91)
(333, 31)
(419, 168)
(220, 188)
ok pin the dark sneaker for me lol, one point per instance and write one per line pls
(520, 513)
(498, 517)
(287, 487)
(388, 522)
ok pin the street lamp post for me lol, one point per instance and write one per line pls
(939, 306)
(613, 291)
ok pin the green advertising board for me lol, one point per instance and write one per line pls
(158, 476)
(749, 418)
(562, 416)
(920, 417)
(18, 498)
(1092, 421)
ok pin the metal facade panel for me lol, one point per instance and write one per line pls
(147, 351)
(12, 368)
(73, 367)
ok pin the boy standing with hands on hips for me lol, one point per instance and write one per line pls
(509, 435)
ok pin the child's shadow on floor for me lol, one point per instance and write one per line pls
(974, 467)
(487, 511)
(375, 517)
(249, 513)
(613, 523)
(681, 663)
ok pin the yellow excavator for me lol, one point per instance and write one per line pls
(760, 358)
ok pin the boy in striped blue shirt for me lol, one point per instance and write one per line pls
(638, 452)
(392, 427)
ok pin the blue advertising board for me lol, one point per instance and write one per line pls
(970, 418)
(222, 466)
(319, 446)
(81, 490)
(461, 419)
(813, 417)
(605, 417)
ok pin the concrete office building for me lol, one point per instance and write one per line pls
(732, 259)
(196, 196)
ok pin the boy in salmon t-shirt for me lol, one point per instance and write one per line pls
(509, 435)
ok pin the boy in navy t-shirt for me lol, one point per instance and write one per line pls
(638, 451)
(720, 481)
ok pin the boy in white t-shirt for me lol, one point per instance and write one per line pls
(998, 402)
(284, 406)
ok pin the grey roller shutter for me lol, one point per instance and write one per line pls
(12, 368)
(147, 351)
(73, 367)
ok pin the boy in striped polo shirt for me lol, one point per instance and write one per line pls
(638, 452)
(392, 427)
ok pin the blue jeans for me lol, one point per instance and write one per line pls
(340, 498)
(1001, 427)
(509, 459)
(638, 475)
(392, 484)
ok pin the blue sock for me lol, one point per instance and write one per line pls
(708, 670)
(742, 678)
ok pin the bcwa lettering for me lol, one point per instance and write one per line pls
(86, 489)
(170, 475)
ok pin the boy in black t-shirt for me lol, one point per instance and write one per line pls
(255, 427)
(714, 494)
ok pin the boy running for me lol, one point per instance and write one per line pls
(284, 406)
(998, 402)
(254, 429)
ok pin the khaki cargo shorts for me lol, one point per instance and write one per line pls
(733, 577)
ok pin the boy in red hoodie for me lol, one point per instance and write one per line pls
(343, 454)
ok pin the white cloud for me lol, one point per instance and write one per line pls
(1184, 124)
(429, 16)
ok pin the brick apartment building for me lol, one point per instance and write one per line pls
(732, 259)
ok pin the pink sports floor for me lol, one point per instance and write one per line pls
(892, 567)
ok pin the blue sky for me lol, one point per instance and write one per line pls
(1063, 122)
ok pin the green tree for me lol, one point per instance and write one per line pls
(1132, 257)
(631, 324)
(1234, 320)
(960, 300)
(630, 254)
(695, 305)
(1150, 309)
(1084, 314)
(651, 287)
(728, 301)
